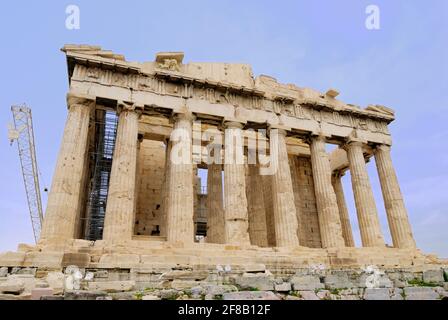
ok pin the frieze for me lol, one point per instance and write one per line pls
(221, 95)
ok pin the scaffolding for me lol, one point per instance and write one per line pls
(105, 132)
(22, 131)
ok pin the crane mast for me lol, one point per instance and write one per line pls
(22, 132)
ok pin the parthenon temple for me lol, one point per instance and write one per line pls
(118, 200)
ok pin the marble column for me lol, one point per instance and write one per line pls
(235, 201)
(120, 210)
(165, 188)
(215, 210)
(368, 220)
(327, 207)
(64, 200)
(269, 209)
(180, 226)
(256, 211)
(397, 216)
(343, 211)
(285, 217)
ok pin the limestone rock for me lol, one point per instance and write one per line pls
(150, 297)
(376, 294)
(260, 282)
(250, 295)
(55, 280)
(433, 276)
(38, 293)
(283, 287)
(83, 295)
(420, 293)
(3, 272)
(337, 281)
(306, 282)
(112, 286)
(14, 286)
(308, 295)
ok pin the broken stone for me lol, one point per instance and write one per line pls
(12, 286)
(38, 293)
(433, 276)
(83, 295)
(283, 287)
(337, 281)
(308, 295)
(306, 283)
(3, 272)
(250, 295)
(255, 281)
(376, 294)
(150, 297)
(420, 293)
(112, 286)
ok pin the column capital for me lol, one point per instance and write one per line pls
(127, 106)
(189, 116)
(382, 147)
(233, 124)
(315, 137)
(74, 99)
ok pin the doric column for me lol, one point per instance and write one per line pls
(397, 216)
(327, 207)
(343, 211)
(180, 226)
(235, 201)
(269, 209)
(215, 211)
(63, 208)
(285, 217)
(120, 209)
(165, 188)
(368, 221)
(257, 214)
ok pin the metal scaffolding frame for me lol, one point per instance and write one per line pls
(24, 134)
(105, 134)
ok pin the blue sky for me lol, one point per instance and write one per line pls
(318, 44)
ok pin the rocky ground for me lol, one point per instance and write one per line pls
(249, 284)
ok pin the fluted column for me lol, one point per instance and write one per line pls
(343, 211)
(327, 207)
(120, 209)
(257, 213)
(215, 211)
(165, 188)
(63, 208)
(368, 220)
(180, 226)
(397, 216)
(235, 201)
(285, 217)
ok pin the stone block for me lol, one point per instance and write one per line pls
(433, 276)
(250, 295)
(254, 281)
(111, 286)
(168, 294)
(31, 271)
(185, 275)
(323, 294)
(283, 287)
(38, 293)
(12, 286)
(83, 295)
(81, 260)
(43, 259)
(3, 272)
(119, 260)
(308, 295)
(420, 293)
(55, 280)
(306, 283)
(150, 297)
(184, 284)
(12, 259)
(377, 294)
(337, 281)
(28, 281)
(218, 290)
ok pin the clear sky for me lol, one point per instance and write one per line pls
(318, 44)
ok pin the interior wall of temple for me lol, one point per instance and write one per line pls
(150, 177)
(305, 201)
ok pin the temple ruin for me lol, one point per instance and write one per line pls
(117, 201)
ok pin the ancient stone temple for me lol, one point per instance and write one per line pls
(120, 200)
